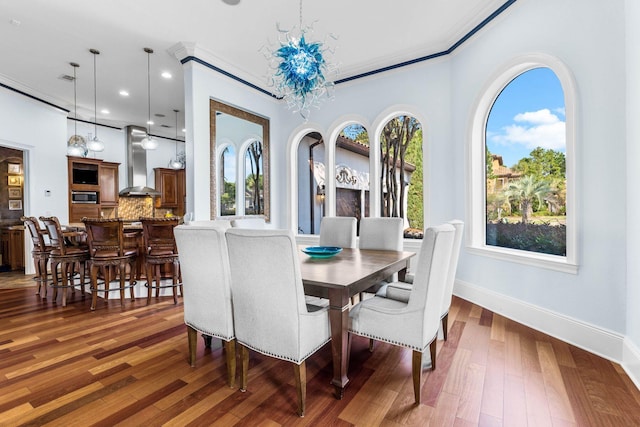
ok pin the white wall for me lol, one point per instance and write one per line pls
(41, 131)
(632, 353)
(588, 36)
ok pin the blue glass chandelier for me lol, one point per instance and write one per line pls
(301, 75)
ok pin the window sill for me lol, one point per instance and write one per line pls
(549, 262)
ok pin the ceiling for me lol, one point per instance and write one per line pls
(39, 38)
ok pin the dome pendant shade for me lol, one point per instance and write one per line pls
(149, 143)
(95, 144)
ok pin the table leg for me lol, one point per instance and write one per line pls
(339, 319)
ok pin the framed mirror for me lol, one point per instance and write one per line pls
(239, 163)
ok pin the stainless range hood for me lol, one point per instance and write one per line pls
(136, 165)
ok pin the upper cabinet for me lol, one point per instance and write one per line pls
(172, 187)
(93, 186)
(109, 184)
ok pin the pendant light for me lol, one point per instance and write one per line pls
(148, 142)
(75, 146)
(94, 144)
(176, 163)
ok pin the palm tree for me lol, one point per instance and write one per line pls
(524, 191)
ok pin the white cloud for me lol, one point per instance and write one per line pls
(534, 129)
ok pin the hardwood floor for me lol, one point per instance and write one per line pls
(128, 366)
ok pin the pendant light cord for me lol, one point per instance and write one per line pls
(75, 101)
(176, 134)
(300, 15)
(149, 51)
(95, 95)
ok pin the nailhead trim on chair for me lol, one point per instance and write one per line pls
(422, 350)
(278, 356)
(210, 333)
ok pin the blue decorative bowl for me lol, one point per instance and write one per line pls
(322, 251)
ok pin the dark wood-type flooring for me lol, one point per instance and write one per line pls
(128, 366)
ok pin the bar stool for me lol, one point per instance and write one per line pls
(160, 249)
(107, 250)
(65, 256)
(40, 252)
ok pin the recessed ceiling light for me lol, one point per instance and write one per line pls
(166, 75)
(184, 130)
(150, 122)
(124, 93)
(105, 111)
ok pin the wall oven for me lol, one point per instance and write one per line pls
(90, 197)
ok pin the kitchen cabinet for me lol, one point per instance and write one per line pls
(12, 239)
(182, 193)
(168, 182)
(93, 185)
(109, 185)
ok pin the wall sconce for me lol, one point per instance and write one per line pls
(320, 192)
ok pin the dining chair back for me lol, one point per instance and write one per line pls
(270, 311)
(108, 249)
(257, 223)
(412, 324)
(451, 275)
(220, 223)
(381, 234)
(204, 262)
(160, 250)
(338, 231)
(69, 259)
(401, 291)
(40, 252)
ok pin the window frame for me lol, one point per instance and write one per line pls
(476, 179)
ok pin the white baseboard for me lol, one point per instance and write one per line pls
(602, 342)
(631, 361)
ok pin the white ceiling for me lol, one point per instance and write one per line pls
(39, 38)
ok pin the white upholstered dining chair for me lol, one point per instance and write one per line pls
(338, 231)
(401, 291)
(207, 291)
(271, 316)
(412, 324)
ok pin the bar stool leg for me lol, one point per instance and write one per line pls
(175, 281)
(94, 286)
(133, 266)
(122, 268)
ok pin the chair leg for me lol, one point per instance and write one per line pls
(244, 360)
(230, 349)
(432, 353)
(132, 277)
(43, 270)
(300, 372)
(445, 325)
(371, 344)
(54, 279)
(175, 281)
(94, 286)
(64, 281)
(192, 337)
(123, 277)
(416, 371)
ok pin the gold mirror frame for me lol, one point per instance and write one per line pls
(215, 107)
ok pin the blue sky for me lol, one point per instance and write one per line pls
(529, 113)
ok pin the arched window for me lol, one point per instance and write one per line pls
(227, 171)
(522, 172)
(254, 180)
(311, 183)
(352, 171)
(401, 177)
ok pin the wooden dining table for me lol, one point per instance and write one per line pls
(340, 277)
